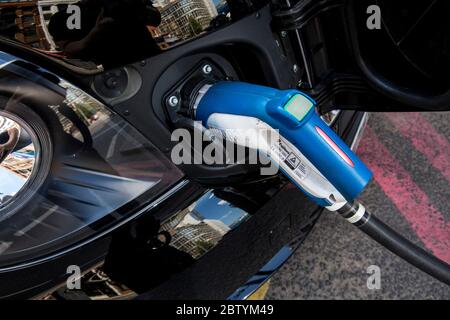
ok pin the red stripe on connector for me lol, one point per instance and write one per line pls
(335, 147)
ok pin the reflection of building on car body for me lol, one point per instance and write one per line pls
(106, 27)
(132, 29)
(16, 158)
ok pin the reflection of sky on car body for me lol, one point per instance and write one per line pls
(9, 181)
(214, 208)
(29, 154)
(5, 59)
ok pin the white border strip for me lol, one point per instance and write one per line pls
(358, 215)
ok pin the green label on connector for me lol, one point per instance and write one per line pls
(299, 106)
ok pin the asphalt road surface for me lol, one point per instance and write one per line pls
(410, 157)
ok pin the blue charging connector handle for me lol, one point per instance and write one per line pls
(307, 131)
(293, 114)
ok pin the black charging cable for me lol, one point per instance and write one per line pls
(357, 215)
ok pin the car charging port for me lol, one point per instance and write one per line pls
(179, 98)
(179, 104)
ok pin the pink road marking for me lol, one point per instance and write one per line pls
(426, 221)
(434, 146)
